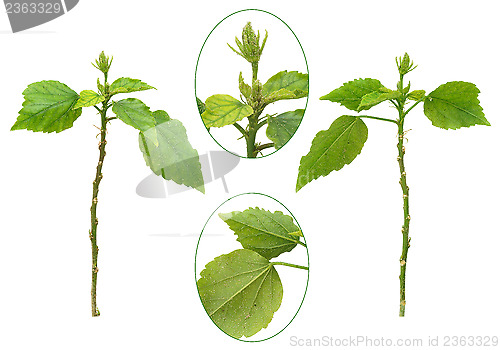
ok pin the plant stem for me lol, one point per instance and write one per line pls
(255, 68)
(406, 221)
(93, 208)
(264, 146)
(240, 129)
(291, 265)
(250, 138)
(253, 120)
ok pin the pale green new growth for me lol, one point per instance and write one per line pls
(451, 106)
(242, 290)
(52, 106)
(88, 98)
(221, 110)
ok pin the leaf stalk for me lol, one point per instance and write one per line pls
(290, 265)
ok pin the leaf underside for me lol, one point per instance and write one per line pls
(376, 97)
(351, 93)
(332, 149)
(240, 291)
(282, 127)
(290, 81)
(172, 156)
(48, 106)
(285, 86)
(269, 234)
(125, 85)
(416, 95)
(454, 105)
(222, 110)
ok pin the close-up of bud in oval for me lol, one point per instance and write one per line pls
(252, 83)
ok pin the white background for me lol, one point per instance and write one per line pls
(351, 219)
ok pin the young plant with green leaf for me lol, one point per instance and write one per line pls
(222, 110)
(242, 290)
(451, 106)
(52, 106)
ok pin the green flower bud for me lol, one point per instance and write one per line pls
(250, 48)
(103, 63)
(404, 64)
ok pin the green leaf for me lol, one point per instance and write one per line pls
(269, 234)
(245, 89)
(332, 149)
(200, 105)
(416, 95)
(124, 85)
(282, 127)
(48, 107)
(160, 116)
(293, 81)
(88, 98)
(240, 291)
(375, 97)
(171, 156)
(134, 113)
(351, 93)
(454, 105)
(224, 110)
(284, 94)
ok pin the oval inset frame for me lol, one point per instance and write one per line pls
(251, 203)
(236, 134)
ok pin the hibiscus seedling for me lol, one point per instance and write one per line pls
(223, 110)
(451, 106)
(51, 106)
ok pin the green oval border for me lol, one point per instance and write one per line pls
(196, 72)
(308, 265)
